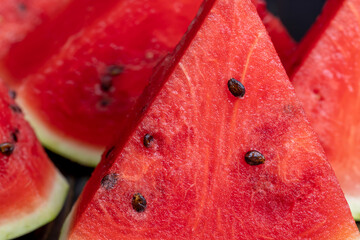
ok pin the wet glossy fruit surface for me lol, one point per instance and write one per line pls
(194, 178)
(327, 82)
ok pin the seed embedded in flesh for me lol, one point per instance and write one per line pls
(15, 108)
(22, 7)
(106, 83)
(7, 148)
(115, 70)
(109, 181)
(12, 94)
(107, 155)
(148, 140)
(14, 135)
(254, 158)
(236, 88)
(138, 202)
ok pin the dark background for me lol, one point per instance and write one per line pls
(297, 16)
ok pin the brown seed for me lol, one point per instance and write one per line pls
(138, 202)
(115, 70)
(104, 102)
(254, 158)
(109, 151)
(14, 135)
(106, 83)
(148, 140)
(109, 181)
(7, 148)
(15, 108)
(22, 7)
(12, 94)
(236, 88)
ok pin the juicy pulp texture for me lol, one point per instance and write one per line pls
(328, 84)
(193, 175)
(32, 191)
(67, 98)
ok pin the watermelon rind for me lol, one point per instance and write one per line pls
(354, 205)
(57, 142)
(40, 216)
(66, 226)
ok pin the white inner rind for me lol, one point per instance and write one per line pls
(76, 151)
(354, 203)
(64, 235)
(41, 215)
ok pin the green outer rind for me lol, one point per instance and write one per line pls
(64, 234)
(41, 215)
(78, 152)
(354, 204)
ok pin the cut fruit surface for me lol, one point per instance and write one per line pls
(82, 95)
(219, 148)
(32, 191)
(327, 82)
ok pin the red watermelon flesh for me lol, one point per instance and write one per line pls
(19, 17)
(283, 42)
(32, 191)
(328, 84)
(181, 171)
(47, 36)
(83, 94)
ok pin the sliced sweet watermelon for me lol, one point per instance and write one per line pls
(219, 148)
(32, 191)
(83, 94)
(283, 42)
(33, 30)
(327, 82)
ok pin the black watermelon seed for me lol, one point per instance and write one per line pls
(109, 181)
(138, 202)
(7, 148)
(12, 94)
(115, 70)
(14, 135)
(236, 88)
(148, 140)
(104, 102)
(109, 151)
(22, 7)
(15, 108)
(106, 83)
(254, 158)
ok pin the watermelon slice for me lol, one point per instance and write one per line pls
(219, 148)
(32, 191)
(99, 73)
(327, 82)
(32, 30)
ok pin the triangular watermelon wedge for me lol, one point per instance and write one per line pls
(328, 84)
(219, 148)
(32, 191)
